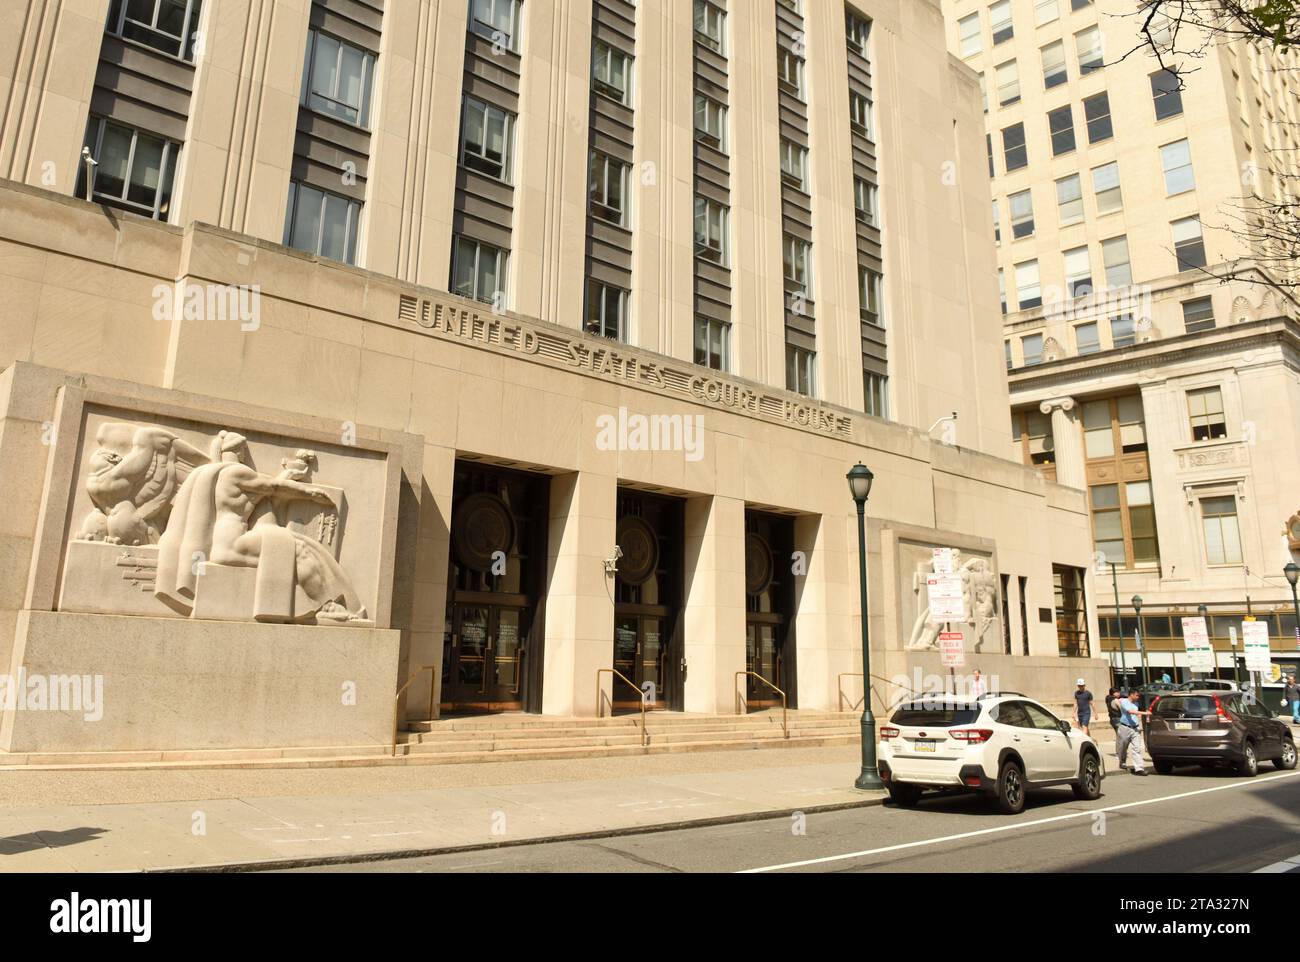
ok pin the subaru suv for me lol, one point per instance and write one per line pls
(1216, 728)
(1000, 745)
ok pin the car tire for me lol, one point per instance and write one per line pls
(1162, 766)
(1010, 795)
(1249, 764)
(1287, 759)
(1088, 787)
(904, 796)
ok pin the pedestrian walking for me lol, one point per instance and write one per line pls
(1130, 732)
(979, 686)
(1112, 713)
(1292, 695)
(1082, 705)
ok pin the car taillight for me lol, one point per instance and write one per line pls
(887, 733)
(1218, 709)
(973, 735)
(1155, 701)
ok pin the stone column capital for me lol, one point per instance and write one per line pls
(1051, 404)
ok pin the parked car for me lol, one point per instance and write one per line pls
(1216, 728)
(1208, 684)
(1000, 745)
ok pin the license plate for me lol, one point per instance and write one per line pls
(1182, 726)
(924, 746)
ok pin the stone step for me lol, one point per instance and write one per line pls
(653, 719)
(611, 751)
(595, 732)
(434, 743)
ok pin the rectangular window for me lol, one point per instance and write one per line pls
(857, 31)
(1060, 123)
(1222, 534)
(866, 202)
(1069, 200)
(789, 72)
(1006, 350)
(1189, 246)
(168, 26)
(988, 146)
(135, 169)
(1078, 276)
(1098, 431)
(968, 29)
(608, 188)
(710, 122)
(1002, 289)
(337, 78)
(1008, 80)
(860, 115)
(1205, 408)
(478, 271)
(1086, 338)
(1166, 94)
(1046, 11)
(1142, 522)
(875, 394)
(1176, 160)
(497, 21)
(1028, 292)
(713, 343)
(487, 133)
(798, 265)
(1122, 332)
(611, 72)
(1000, 22)
(794, 165)
(1071, 612)
(1054, 69)
(1198, 315)
(1114, 255)
(1031, 349)
(606, 311)
(1096, 111)
(997, 223)
(1108, 523)
(1132, 424)
(711, 242)
(1013, 147)
(710, 26)
(800, 370)
(1087, 44)
(1022, 214)
(1079, 4)
(322, 223)
(871, 296)
(984, 91)
(1105, 185)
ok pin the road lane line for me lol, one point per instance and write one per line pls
(1291, 864)
(1016, 825)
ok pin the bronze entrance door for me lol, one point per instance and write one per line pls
(482, 662)
(641, 654)
(763, 658)
(769, 609)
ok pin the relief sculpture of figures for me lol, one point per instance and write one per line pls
(229, 514)
(979, 590)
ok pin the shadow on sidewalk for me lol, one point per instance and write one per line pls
(16, 844)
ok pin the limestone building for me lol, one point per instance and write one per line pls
(1138, 370)
(513, 342)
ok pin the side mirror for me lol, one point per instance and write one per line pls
(1063, 726)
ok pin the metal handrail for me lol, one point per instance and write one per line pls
(433, 676)
(839, 688)
(645, 736)
(785, 725)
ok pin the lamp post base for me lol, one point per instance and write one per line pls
(869, 780)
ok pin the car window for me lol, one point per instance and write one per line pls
(1013, 713)
(1041, 718)
(1187, 706)
(936, 716)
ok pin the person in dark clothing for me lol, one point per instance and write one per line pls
(1112, 711)
(1082, 705)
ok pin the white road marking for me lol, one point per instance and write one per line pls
(1018, 825)
(1291, 864)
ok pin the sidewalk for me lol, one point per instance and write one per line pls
(115, 821)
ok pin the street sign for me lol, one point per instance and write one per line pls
(1255, 639)
(945, 561)
(946, 600)
(1196, 638)
(952, 649)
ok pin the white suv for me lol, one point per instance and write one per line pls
(999, 744)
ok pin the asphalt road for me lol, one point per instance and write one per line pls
(1192, 821)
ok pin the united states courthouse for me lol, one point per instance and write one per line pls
(525, 345)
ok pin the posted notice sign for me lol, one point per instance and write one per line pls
(945, 561)
(1254, 636)
(952, 649)
(1196, 638)
(946, 600)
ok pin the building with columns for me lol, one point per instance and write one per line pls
(522, 345)
(1150, 364)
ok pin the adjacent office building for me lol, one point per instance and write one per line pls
(1138, 371)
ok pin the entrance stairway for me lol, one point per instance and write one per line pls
(516, 737)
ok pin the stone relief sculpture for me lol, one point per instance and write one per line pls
(208, 535)
(979, 591)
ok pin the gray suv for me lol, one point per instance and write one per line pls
(1216, 728)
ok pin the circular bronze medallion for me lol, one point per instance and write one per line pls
(640, 547)
(758, 564)
(482, 526)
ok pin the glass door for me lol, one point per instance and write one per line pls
(763, 657)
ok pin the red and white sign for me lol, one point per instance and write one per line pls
(947, 602)
(952, 649)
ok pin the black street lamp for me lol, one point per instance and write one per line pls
(1142, 649)
(860, 478)
(1119, 626)
(1292, 572)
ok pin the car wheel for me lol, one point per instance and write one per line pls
(1162, 766)
(1011, 789)
(1088, 787)
(1287, 759)
(904, 796)
(1249, 764)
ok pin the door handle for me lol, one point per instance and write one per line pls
(455, 640)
